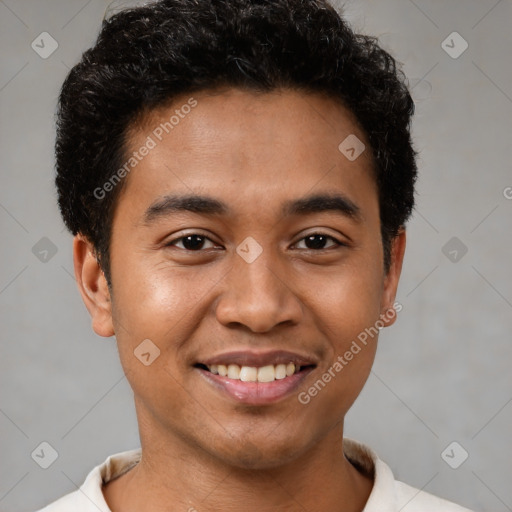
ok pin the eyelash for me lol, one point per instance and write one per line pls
(172, 243)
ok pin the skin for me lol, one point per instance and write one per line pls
(200, 448)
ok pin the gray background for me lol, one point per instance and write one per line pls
(443, 370)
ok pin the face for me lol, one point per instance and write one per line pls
(246, 239)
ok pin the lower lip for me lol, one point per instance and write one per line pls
(257, 393)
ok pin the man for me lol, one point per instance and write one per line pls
(238, 175)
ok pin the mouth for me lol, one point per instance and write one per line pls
(256, 378)
(267, 373)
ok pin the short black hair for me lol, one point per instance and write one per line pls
(148, 55)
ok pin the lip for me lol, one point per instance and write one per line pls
(256, 393)
(257, 359)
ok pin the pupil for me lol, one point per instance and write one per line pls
(193, 242)
(315, 241)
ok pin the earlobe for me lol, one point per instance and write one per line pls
(388, 311)
(93, 286)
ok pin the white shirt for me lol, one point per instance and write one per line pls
(388, 494)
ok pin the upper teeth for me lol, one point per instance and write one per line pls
(267, 373)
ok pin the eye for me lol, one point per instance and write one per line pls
(192, 242)
(196, 242)
(317, 241)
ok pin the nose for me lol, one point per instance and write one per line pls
(258, 295)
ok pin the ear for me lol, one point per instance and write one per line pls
(92, 286)
(390, 284)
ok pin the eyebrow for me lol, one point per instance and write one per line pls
(206, 205)
(319, 203)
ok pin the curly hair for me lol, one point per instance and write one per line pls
(146, 56)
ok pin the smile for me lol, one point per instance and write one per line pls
(268, 373)
(256, 379)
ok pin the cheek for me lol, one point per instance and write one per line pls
(164, 304)
(153, 317)
(349, 324)
(348, 311)
(349, 301)
(155, 301)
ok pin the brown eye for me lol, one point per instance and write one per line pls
(193, 242)
(317, 241)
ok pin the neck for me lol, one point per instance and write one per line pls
(172, 472)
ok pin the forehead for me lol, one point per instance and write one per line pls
(249, 147)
